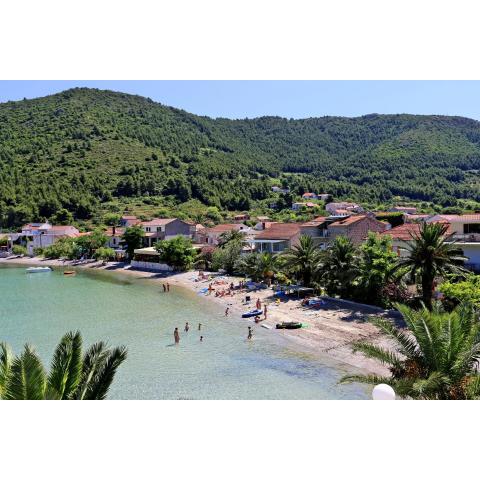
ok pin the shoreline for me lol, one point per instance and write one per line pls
(329, 333)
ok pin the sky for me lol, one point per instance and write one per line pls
(290, 99)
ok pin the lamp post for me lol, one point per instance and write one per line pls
(383, 392)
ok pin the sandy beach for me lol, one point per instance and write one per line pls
(329, 331)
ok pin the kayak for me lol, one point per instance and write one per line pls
(69, 272)
(252, 313)
(289, 325)
(38, 269)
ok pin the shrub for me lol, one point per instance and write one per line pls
(19, 250)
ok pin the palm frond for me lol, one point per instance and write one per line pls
(27, 380)
(5, 367)
(386, 357)
(368, 379)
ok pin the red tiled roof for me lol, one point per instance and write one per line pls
(345, 222)
(404, 232)
(224, 227)
(460, 218)
(315, 222)
(157, 221)
(279, 231)
(118, 231)
(60, 227)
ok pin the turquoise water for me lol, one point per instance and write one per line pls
(39, 308)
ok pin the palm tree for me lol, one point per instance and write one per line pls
(267, 265)
(258, 266)
(432, 254)
(338, 266)
(71, 377)
(437, 359)
(303, 259)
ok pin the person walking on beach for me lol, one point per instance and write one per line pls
(187, 328)
(250, 333)
(265, 311)
(226, 312)
(199, 326)
(168, 287)
(176, 335)
(259, 304)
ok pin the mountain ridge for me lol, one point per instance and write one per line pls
(83, 148)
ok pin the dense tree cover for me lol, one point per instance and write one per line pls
(465, 290)
(84, 148)
(73, 375)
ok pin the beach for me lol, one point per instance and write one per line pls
(329, 330)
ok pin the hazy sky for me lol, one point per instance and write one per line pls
(291, 99)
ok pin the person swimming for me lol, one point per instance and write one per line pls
(187, 327)
(201, 338)
(176, 335)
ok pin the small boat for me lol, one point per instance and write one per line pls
(289, 325)
(38, 269)
(69, 272)
(268, 327)
(252, 313)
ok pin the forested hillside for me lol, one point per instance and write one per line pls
(83, 149)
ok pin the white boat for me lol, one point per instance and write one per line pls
(38, 269)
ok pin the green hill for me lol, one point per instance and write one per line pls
(87, 150)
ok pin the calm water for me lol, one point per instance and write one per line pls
(40, 308)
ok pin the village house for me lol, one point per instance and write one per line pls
(343, 208)
(277, 237)
(41, 235)
(356, 227)
(129, 220)
(465, 230)
(165, 229)
(114, 236)
(261, 222)
(242, 217)
(408, 210)
(299, 205)
(416, 217)
(211, 236)
(309, 196)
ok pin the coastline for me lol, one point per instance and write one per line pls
(329, 333)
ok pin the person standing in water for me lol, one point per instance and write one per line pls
(168, 287)
(164, 288)
(250, 333)
(226, 312)
(201, 338)
(187, 327)
(176, 335)
(199, 326)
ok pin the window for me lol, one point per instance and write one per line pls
(147, 229)
(159, 229)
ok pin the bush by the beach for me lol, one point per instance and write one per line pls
(19, 250)
(177, 252)
(104, 253)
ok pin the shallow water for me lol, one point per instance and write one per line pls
(39, 308)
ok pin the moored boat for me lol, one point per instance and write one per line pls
(69, 272)
(38, 269)
(289, 325)
(252, 313)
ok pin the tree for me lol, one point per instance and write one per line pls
(436, 359)
(104, 253)
(232, 236)
(133, 238)
(226, 257)
(90, 243)
(303, 259)
(177, 252)
(375, 268)
(62, 217)
(338, 267)
(258, 266)
(111, 219)
(467, 290)
(431, 255)
(72, 376)
(19, 250)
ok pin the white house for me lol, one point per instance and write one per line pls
(41, 235)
